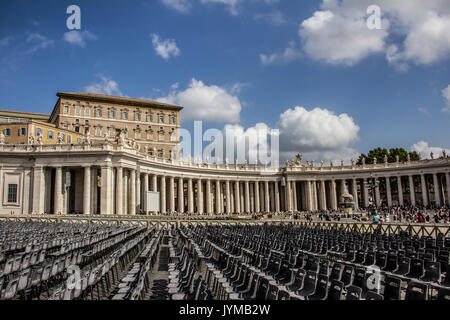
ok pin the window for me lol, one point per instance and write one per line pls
(161, 118)
(66, 109)
(149, 117)
(79, 140)
(65, 125)
(98, 131)
(160, 153)
(50, 135)
(124, 115)
(12, 193)
(137, 135)
(69, 139)
(112, 114)
(172, 119)
(22, 131)
(87, 111)
(137, 116)
(150, 152)
(98, 112)
(38, 132)
(173, 136)
(161, 136)
(77, 110)
(86, 130)
(77, 129)
(112, 132)
(149, 135)
(7, 132)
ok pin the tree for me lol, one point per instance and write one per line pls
(380, 153)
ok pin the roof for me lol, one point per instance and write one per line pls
(24, 115)
(114, 99)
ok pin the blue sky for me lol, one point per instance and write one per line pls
(238, 63)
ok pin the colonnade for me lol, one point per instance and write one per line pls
(121, 190)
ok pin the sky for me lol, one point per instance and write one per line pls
(325, 73)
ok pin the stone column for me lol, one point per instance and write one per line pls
(58, 191)
(308, 195)
(247, 196)
(228, 196)
(180, 195)
(162, 193)
(125, 197)
(388, 191)
(171, 194)
(208, 197)
(355, 193)
(219, 198)
(377, 192)
(241, 197)
(106, 191)
(400, 190)
(288, 196)
(119, 191)
(138, 191)
(412, 190)
(447, 180)
(333, 194)
(132, 194)
(257, 202)
(294, 196)
(87, 190)
(154, 183)
(272, 196)
(277, 197)
(437, 194)
(38, 190)
(366, 193)
(190, 196)
(237, 197)
(314, 189)
(266, 196)
(323, 196)
(199, 196)
(424, 189)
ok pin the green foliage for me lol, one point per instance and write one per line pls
(380, 153)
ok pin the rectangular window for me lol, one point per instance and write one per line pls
(124, 115)
(173, 120)
(137, 116)
(7, 132)
(161, 118)
(112, 132)
(22, 132)
(161, 137)
(149, 117)
(77, 110)
(50, 135)
(137, 135)
(69, 139)
(38, 132)
(12, 193)
(86, 130)
(87, 111)
(98, 131)
(77, 129)
(112, 114)
(98, 112)
(149, 136)
(66, 109)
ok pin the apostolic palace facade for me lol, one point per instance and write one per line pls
(97, 154)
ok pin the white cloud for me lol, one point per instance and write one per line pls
(317, 133)
(38, 42)
(165, 48)
(203, 102)
(424, 111)
(413, 32)
(424, 149)
(276, 17)
(289, 54)
(231, 4)
(78, 38)
(183, 6)
(446, 95)
(105, 86)
(336, 39)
